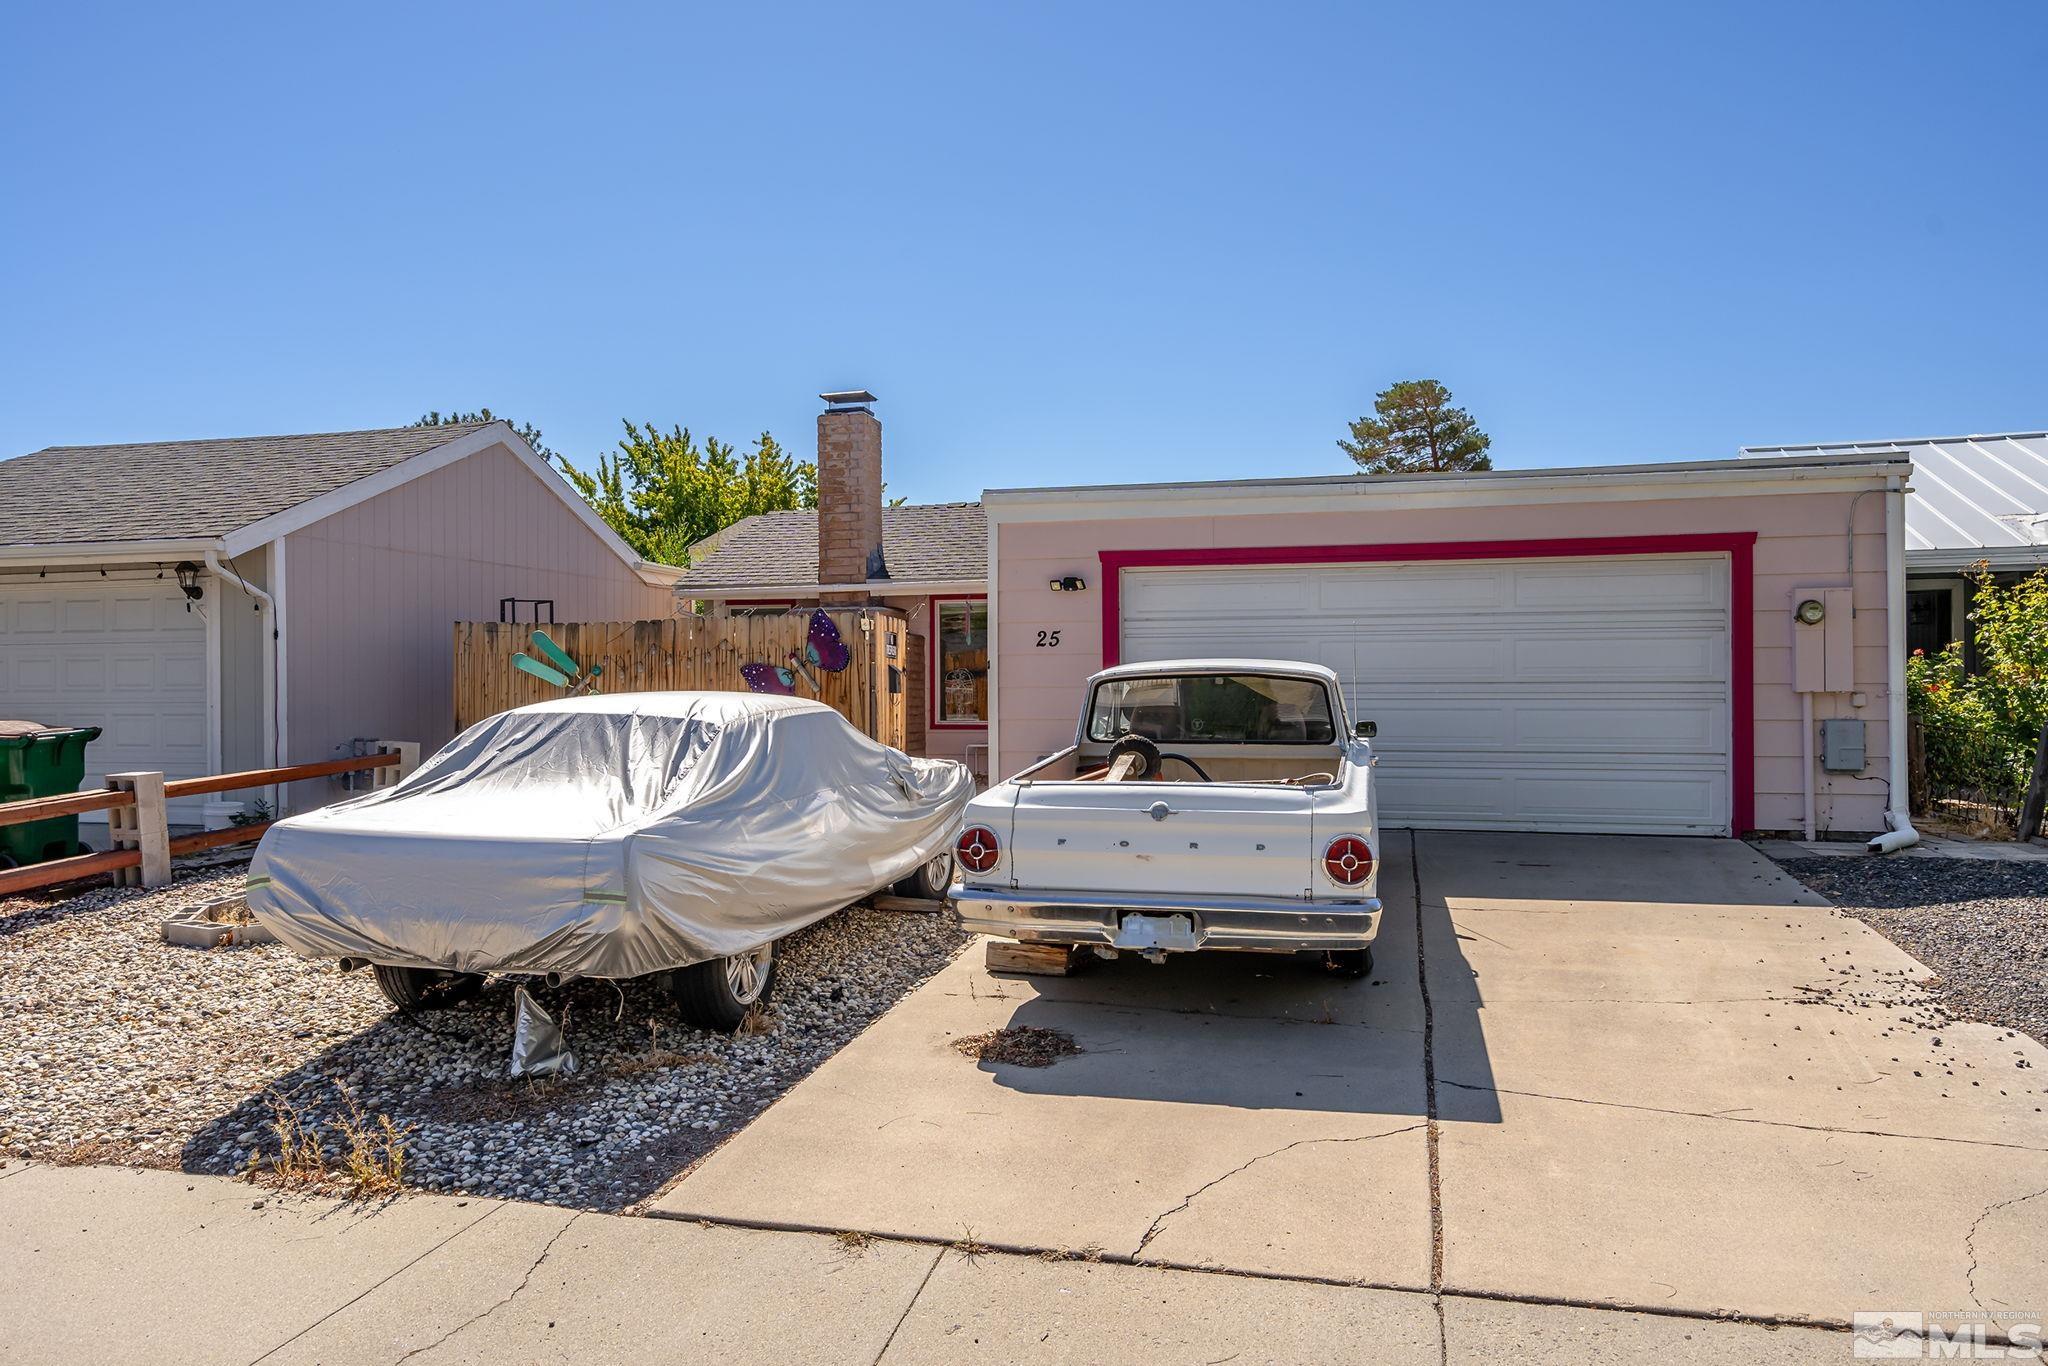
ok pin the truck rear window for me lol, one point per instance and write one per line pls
(1213, 709)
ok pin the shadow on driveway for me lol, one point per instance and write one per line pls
(1266, 1031)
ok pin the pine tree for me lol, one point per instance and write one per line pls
(1417, 431)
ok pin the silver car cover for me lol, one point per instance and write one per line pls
(609, 836)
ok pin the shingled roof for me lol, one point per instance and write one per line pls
(921, 544)
(191, 490)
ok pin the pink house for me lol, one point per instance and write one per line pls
(224, 605)
(1711, 648)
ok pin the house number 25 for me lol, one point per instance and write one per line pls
(1048, 640)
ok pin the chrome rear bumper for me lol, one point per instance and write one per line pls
(1219, 922)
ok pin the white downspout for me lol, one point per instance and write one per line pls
(995, 691)
(1899, 817)
(268, 606)
(280, 669)
(1806, 763)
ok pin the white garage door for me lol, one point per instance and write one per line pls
(1581, 695)
(121, 654)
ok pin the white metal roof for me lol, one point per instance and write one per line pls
(1973, 496)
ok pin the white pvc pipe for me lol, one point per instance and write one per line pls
(268, 606)
(1899, 817)
(1806, 762)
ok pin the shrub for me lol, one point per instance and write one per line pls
(1980, 729)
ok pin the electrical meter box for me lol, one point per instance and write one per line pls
(1841, 746)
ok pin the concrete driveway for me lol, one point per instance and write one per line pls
(1631, 1073)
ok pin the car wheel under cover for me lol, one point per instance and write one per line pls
(426, 988)
(931, 879)
(718, 994)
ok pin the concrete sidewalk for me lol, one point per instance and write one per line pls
(107, 1265)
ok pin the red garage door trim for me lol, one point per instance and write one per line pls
(1739, 547)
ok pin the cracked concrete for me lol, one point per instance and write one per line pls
(1158, 1223)
(1970, 1249)
(193, 1268)
(505, 1299)
(594, 1288)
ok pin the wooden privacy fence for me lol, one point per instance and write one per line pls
(139, 829)
(694, 654)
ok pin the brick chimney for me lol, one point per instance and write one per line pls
(849, 494)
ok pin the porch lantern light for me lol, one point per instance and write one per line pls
(188, 579)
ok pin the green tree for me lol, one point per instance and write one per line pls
(527, 431)
(663, 492)
(1417, 431)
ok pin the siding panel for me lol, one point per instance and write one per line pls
(375, 591)
(1802, 541)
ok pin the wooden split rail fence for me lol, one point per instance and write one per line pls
(139, 827)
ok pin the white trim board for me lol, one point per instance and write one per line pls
(90, 554)
(2021, 559)
(1495, 488)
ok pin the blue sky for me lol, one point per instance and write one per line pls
(1063, 243)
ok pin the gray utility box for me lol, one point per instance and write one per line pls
(1841, 746)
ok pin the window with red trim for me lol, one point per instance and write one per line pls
(962, 651)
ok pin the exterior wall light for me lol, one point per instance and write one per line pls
(1070, 584)
(188, 579)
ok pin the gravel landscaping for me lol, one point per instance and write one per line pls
(1981, 926)
(116, 1047)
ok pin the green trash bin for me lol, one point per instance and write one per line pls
(41, 761)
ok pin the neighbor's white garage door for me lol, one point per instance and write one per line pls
(121, 654)
(1569, 695)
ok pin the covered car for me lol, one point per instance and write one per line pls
(617, 836)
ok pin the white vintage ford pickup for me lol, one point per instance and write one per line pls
(1204, 804)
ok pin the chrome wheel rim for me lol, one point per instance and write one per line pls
(747, 973)
(939, 871)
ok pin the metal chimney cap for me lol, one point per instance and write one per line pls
(849, 398)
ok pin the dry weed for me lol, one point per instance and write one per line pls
(656, 1060)
(92, 1152)
(1021, 1045)
(372, 1151)
(233, 911)
(374, 1158)
(1090, 1253)
(299, 1163)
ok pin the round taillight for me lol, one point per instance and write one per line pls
(977, 849)
(1348, 860)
